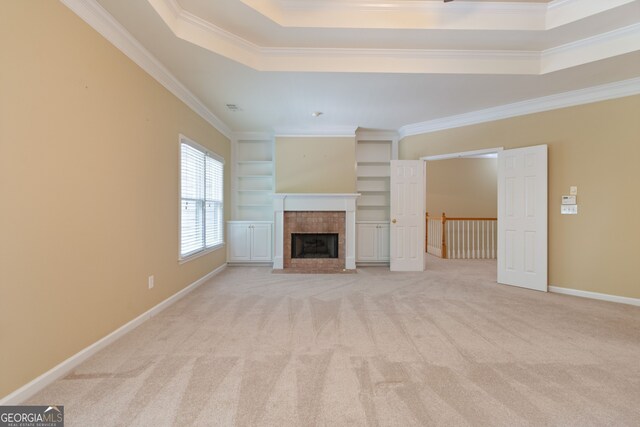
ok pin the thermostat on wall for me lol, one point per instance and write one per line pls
(568, 200)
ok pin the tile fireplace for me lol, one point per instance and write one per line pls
(314, 232)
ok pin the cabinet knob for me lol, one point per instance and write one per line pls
(393, 221)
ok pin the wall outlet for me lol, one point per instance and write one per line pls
(150, 281)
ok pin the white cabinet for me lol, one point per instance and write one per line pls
(372, 243)
(249, 241)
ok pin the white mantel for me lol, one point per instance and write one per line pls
(345, 202)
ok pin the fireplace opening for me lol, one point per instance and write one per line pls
(315, 245)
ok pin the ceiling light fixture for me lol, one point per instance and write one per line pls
(316, 113)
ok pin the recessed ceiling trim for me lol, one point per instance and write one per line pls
(402, 14)
(563, 12)
(193, 29)
(100, 20)
(562, 100)
(602, 46)
(400, 61)
(200, 32)
(494, 16)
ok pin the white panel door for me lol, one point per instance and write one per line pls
(261, 242)
(407, 213)
(522, 217)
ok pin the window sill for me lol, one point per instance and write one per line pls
(201, 253)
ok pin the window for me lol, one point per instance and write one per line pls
(201, 208)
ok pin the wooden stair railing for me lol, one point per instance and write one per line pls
(471, 237)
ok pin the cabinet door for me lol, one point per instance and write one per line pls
(239, 242)
(383, 242)
(261, 242)
(366, 241)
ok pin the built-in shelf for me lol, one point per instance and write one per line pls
(373, 159)
(253, 180)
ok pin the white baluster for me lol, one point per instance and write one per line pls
(493, 241)
(473, 239)
(459, 240)
(482, 244)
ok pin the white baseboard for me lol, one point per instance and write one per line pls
(60, 370)
(595, 295)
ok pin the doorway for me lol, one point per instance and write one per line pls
(522, 213)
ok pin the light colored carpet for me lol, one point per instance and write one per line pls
(445, 347)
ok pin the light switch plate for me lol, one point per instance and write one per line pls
(573, 191)
(569, 209)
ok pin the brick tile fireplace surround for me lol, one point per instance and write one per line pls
(313, 222)
(314, 213)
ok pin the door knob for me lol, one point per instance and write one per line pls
(393, 221)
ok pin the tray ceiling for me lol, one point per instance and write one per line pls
(380, 64)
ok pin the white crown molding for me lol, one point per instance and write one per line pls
(329, 131)
(613, 43)
(200, 32)
(100, 20)
(60, 370)
(595, 295)
(193, 29)
(537, 105)
(415, 61)
(493, 16)
(562, 12)
(360, 14)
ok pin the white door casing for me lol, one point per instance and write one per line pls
(522, 217)
(407, 215)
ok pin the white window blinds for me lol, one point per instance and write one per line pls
(201, 218)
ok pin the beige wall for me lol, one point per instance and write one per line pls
(595, 147)
(89, 174)
(463, 188)
(315, 165)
